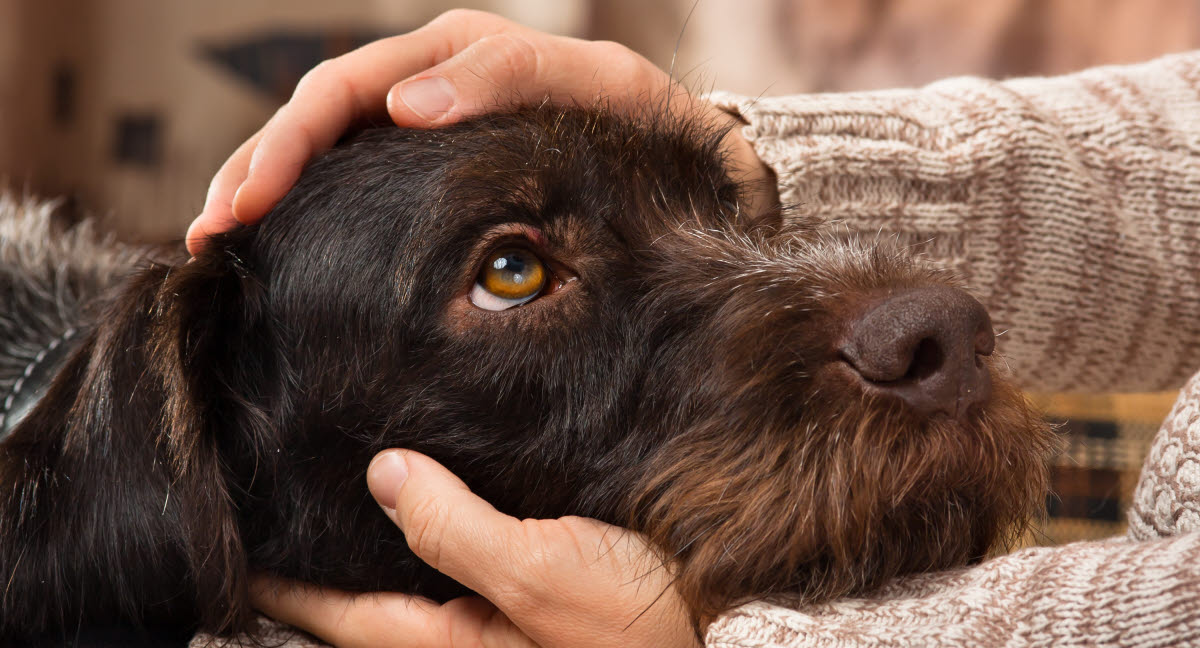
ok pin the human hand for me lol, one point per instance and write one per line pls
(463, 63)
(573, 581)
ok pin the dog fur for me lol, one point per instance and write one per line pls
(679, 379)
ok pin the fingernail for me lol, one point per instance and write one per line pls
(233, 203)
(430, 98)
(385, 476)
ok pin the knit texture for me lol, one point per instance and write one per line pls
(267, 634)
(1111, 593)
(1167, 499)
(1071, 206)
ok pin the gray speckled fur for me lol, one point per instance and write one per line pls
(48, 275)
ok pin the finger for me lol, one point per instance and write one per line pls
(446, 525)
(349, 620)
(342, 618)
(522, 66)
(342, 91)
(217, 215)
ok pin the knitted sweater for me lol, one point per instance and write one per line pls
(1071, 206)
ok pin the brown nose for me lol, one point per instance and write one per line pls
(923, 346)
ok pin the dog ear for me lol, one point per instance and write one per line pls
(116, 499)
(200, 313)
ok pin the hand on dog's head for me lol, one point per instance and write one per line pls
(565, 307)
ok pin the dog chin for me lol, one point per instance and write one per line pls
(847, 500)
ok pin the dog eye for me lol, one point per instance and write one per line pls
(509, 277)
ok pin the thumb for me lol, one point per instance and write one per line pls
(446, 525)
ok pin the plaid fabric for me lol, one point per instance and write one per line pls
(1106, 438)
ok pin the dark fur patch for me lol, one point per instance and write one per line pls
(220, 414)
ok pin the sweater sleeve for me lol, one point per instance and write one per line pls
(1069, 205)
(1166, 501)
(1108, 593)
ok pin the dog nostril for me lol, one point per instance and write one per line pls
(924, 346)
(926, 360)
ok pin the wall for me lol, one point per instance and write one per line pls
(145, 61)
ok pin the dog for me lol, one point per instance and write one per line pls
(568, 308)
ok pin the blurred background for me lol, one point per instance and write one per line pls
(125, 108)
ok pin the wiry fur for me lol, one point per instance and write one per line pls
(48, 273)
(219, 415)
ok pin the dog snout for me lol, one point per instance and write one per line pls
(924, 346)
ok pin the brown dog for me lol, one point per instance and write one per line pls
(565, 307)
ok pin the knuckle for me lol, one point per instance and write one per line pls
(456, 15)
(516, 598)
(622, 63)
(345, 628)
(426, 530)
(551, 548)
(466, 625)
(514, 56)
(612, 50)
(460, 17)
(530, 572)
(582, 529)
(321, 75)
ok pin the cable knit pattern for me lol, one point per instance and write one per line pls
(1167, 499)
(1070, 205)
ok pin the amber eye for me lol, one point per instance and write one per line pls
(509, 277)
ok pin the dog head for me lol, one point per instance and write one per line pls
(568, 309)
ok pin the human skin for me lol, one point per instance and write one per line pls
(567, 582)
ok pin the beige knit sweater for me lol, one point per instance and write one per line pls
(1072, 208)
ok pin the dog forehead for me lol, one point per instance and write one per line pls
(634, 173)
(592, 159)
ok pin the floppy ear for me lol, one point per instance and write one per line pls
(200, 311)
(116, 502)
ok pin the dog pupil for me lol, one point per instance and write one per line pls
(512, 263)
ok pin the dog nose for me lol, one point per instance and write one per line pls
(923, 346)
